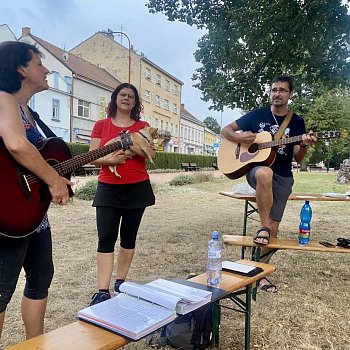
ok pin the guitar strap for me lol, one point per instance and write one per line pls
(283, 126)
(46, 130)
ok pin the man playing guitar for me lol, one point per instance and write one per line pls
(273, 183)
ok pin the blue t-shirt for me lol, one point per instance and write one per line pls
(262, 120)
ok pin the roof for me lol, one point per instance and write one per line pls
(186, 114)
(79, 66)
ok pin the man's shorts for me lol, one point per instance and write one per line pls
(281, 188)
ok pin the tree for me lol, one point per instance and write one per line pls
(329, 111)
(212, 124)
(249, 42)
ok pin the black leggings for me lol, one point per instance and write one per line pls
(108, 221)
(34, 254)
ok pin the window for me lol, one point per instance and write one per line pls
(166, 104)
(166, 126)
(147, 73)
(55, 79)
(175, 90)
(157, 100)
(55, 109)
(147, 96)
(158, 79)
(84, 109)
(167, 85)
(175, 108)
(156, 122)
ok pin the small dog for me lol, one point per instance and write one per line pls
(144, 138)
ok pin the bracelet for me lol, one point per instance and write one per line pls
(302, 145)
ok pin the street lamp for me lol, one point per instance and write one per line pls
(111, 32)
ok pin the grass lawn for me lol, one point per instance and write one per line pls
(309, 312)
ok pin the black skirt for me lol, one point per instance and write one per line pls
(127, 196)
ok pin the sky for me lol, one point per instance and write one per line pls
(170, 45)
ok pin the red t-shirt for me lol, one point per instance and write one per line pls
(134, 169)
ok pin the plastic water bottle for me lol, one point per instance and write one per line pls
(304, 227)
(214, 265)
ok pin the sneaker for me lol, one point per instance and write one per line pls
(99, 298)
(117, 284)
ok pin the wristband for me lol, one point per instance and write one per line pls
(302, 145)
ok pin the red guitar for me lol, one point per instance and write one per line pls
(26, 197)
(236, 159)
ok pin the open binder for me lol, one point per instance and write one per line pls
(142, 309)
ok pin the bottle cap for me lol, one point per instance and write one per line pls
(307, 202)
(215, 235)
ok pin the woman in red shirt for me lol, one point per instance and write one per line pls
(120, 202)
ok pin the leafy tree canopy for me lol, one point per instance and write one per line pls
(212, 124)
(250, 42)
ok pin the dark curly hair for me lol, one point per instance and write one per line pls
(14, 54)
(112, 105)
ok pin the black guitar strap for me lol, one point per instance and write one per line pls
(46, 130)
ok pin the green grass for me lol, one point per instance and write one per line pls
(306, 182)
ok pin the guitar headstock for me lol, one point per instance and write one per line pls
(125, 139)
(327, 134)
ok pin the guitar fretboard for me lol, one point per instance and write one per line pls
(319, 135)
(76, 162)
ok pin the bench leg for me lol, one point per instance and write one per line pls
(248, 316)
(216, 313)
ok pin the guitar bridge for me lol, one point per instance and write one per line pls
(25, 187)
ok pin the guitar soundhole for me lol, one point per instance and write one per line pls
(253, 148)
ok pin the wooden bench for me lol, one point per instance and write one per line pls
(215, 166)
(315, 168)
(279, 243)
(185, 166)
(194, 167)
(84, 336)
(90, 169)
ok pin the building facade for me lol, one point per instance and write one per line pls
(160, 91)
(78, 95)
(191, 133)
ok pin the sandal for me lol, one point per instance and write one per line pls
(268, 286)
(265, 238)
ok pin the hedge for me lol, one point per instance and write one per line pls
(163, 160)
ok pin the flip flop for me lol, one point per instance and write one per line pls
(268, 286)
(259, 236)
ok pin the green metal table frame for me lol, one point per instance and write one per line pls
(242, 306)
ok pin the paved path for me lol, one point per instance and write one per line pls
(155, 177)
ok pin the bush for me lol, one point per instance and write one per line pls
(187, 179)
(87, 191)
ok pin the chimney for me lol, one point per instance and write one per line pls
(182, 105)
(25, 31)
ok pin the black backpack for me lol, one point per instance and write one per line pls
(189, 332)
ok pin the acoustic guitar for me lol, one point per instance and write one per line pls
(236, 159)
(26, 198)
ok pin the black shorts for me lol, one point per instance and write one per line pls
(281, 188)
(34, 254)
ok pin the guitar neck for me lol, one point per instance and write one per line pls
(81, 159)
(321, 135)
(279, 142)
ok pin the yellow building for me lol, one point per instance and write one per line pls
(159, 90)
(210, 142)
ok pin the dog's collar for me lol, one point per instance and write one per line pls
(144, 136)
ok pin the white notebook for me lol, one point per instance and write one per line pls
(142, 309)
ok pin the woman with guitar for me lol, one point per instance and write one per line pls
(21, 76)
(120, 201)
(273, 182)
